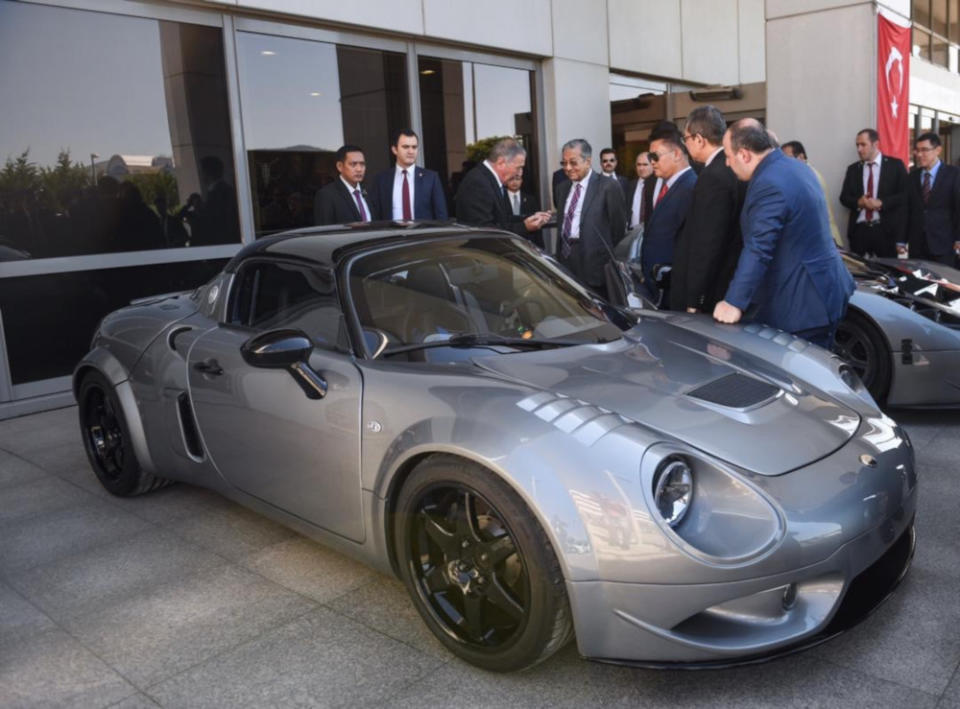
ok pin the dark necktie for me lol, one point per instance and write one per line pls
(868, 213)
(568, 222)
(363, 212)
(643, 206)
(926, 187)
(663, 193)
(405, 198)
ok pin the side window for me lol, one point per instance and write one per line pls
(272, 295)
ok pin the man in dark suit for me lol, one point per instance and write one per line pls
(706, 252)
(344, 200)
(935, 192)
(608, 168)
(594, 217)
(482, 198)
(875, 192)
(671, 205)
(523, 204)
(640, 192)
(790, 274)
(406, 192)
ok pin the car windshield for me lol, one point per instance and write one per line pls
(478, 291)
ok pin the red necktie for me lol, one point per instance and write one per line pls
(663, 192)
(363, 212)
(869, 212)
(405, 198)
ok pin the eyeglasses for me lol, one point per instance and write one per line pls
(925, 150)
(688, 136)
(654, 157)
(608, 160)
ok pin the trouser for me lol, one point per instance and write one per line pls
(869, 238)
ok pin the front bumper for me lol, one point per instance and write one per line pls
(744, 621)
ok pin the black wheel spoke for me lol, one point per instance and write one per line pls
(494, 553)
(467, 519)
(446, 540)
(474, 613)
(434, 580)
(498, 596)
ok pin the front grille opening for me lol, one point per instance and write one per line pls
(736, 391)
(188, 427)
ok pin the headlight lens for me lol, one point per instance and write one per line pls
(673, 490)
(850, 377)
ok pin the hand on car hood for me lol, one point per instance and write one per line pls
(724, 401)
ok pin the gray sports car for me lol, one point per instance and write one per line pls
(534, 463)
(902, 331)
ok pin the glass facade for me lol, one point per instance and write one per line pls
(101, 155)
(301, 101)
(936, 31)
(142, 132)
(464, 105)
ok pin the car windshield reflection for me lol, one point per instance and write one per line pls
(476, 292)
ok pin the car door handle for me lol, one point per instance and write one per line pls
(209, 366)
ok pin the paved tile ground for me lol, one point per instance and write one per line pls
(182, 599)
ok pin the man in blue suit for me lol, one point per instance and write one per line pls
(790, 274)
(406, 192)
(671, 205)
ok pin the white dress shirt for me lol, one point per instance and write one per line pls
(575, 222)
(637, 201)
(353, 199)
(515, 200)
(398, 192)
(862, 216)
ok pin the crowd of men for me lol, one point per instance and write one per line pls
(731, 223)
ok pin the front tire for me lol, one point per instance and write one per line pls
(480, 570)
(106, 439)
(860, 344)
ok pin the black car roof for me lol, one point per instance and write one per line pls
(329, 244)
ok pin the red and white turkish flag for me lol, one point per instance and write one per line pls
(893, 88)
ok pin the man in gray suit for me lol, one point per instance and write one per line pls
(593, 217)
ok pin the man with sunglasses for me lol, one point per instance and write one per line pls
(705, 255)
(671, 205)
(608, 167)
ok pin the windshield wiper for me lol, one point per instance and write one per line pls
(483, 341)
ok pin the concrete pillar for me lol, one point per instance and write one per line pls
(821, 79)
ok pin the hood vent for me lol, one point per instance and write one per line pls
(736, 391)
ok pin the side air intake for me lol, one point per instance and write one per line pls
(188, 427)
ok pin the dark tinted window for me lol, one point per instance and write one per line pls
(115, 134)
(272, 295)
(49, 320)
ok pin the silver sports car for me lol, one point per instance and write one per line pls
(902, 331)
(534, 463)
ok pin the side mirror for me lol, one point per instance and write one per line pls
(286, 349)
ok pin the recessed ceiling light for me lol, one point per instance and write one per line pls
(314, 93)
(268, 52)
(428, 72)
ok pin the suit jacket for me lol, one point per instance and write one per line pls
(790, 274)
(934, 226)
(603, 222)
(665, 223)
(647, 197)
(892, 190)
(620, 180)
(480, 202)
(559, 177)
(706, 251)
(334, 204)
(428, 199)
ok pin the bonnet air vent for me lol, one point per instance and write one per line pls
(737, 391)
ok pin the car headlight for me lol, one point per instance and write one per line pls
(673, 490)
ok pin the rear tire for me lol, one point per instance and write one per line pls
(106, 439)
(479, 568)
(859, 343)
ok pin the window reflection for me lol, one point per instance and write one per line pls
(117, 139)
(463, 104)
(301, 101)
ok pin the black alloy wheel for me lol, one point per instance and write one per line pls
(106, 440)
(480, 570)
(859, 344)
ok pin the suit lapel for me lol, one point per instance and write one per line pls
(593, 187)
(351, 202)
